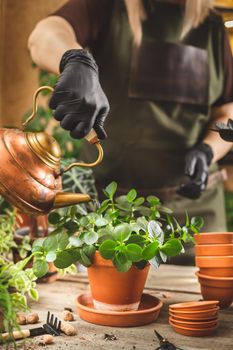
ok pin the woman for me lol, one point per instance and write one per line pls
(166, 68)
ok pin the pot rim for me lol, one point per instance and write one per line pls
(212, 233)
(214, 245)
(207, 277)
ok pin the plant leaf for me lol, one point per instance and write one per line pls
(54, 218)
(62, 240)
(139, 201)
(136, 239)
(111, 189)
(163, 256)
(66, 258)
(91, 237)
(40, 267)
(100, 222)
(75, 241)
(122, 232)
(150, 251)
(155, 231)
(132, 194)
(89, 250)
(153, 200)
(50, 243)
(197, 222)
(107, 249)
(121, 262)
(155, 262)
(172, 247)
(51, 256)
(33, 293)
(85, 259)
(134, 252)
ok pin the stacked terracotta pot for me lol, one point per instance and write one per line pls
(214, 257)
(194, 319)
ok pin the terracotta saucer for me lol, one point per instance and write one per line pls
(199, 314)
(194, 305)
(194, 324)
(193, 332)
(192, 318)
(148, 312)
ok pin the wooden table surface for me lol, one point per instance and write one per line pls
(170, 283)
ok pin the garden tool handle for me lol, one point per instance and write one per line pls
(91, 137)
(25, 333)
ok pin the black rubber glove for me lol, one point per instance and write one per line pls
(197, 161)
(78, 99)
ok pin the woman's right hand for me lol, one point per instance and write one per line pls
(78, 99)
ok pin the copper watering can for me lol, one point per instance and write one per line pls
(30, 172)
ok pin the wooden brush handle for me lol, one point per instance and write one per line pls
(17, 334)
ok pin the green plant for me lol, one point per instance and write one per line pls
(7, 227)
(15, 280)
(129, 230)
(16, 283)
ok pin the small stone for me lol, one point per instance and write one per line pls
(67, 316)
(21, 319)
(32, 318)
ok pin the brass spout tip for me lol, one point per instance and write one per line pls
(65, 199)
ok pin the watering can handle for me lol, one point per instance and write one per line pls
(91, 137)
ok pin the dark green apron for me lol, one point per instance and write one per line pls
(154, 122)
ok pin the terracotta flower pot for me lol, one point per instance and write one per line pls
(113, 290)
(195, 324)
(214, 238)
(216, 266)
(216, 288)
(214, 249)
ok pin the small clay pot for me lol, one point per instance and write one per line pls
(193, 305)
(216, 266)
(213, 249)
(113, 290)
(195, 325)
(217, 288)
(214, 238)
(200, 314)
(193, 332)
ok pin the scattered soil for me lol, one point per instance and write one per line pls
(110, 337)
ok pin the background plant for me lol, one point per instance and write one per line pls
(129, 230)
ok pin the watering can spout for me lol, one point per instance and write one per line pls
(65, 199)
